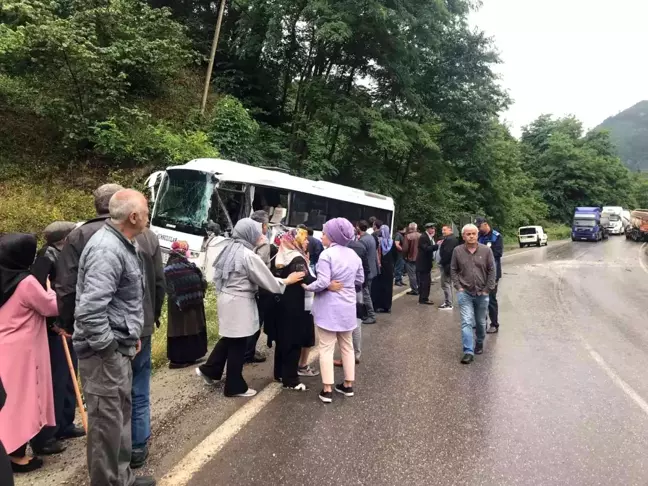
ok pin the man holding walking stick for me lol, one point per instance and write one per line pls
(109, 319)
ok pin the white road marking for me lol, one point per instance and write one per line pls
(616, 379)
(193, 462)
(641, 260)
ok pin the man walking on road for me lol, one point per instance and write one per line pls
(493, 240)
(109, 318)
(369, 243)
(154, 292)
(473, 277)
(446, 248)
(410, 252)
(399, 266)
(424, 262)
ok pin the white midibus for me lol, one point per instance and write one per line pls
(191, 199)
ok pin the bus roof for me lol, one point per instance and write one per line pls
(226, 170)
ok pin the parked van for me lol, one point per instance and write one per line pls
(532, 235)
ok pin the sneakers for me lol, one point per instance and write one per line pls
(493, 329)
(300, 387)
(467, 359)
(347, 391)
(412, 292)
(249, 393)
(479, 348)
(445, 306)
(369, 320)
(208, 381)
(326, 397)
(307, 371)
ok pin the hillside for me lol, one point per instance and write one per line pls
(629, 130)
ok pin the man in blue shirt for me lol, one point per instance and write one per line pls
(492, 239)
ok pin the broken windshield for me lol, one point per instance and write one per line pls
(184, 200)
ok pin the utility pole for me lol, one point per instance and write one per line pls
(219, 21)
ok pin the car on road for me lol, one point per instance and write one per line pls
(532, 235)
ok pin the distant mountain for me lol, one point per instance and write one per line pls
(629, 130)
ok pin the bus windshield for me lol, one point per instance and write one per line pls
(184, 200)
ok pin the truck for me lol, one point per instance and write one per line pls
(615, 216)
(637, 230)
(590, 224)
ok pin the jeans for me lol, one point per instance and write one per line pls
(399, 269)
(473, 310)
(141, 396)
(446, 285)
(411, 275)
(366, 297)
(493, 308)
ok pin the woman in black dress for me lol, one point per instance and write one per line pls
(187, 325)
(383, 285)
(293, 326)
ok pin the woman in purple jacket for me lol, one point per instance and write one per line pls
(335, 312)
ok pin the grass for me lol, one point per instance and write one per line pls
(159, 341)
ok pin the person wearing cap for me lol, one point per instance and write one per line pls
(44, 269)
(492, 239)
(424, 261)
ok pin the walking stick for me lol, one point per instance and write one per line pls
(84, 415)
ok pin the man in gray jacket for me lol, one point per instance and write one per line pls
(369, 242)
(109, 318)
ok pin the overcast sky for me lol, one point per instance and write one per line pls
(580, 57)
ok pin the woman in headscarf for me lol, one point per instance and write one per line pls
(293, 323)
(383, 285)
(24, 354)
(44, 269)
(335, 312)
(187, 325)
(238, 274)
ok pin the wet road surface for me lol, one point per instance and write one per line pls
(557, 398)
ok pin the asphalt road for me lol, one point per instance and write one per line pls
(559, 397)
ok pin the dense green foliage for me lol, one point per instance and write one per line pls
(394, 97)
(629, 132)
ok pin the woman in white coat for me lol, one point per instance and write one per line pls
(238, 274)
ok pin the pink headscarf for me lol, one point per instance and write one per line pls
(340, 231)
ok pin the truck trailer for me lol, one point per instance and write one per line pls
(637, 230)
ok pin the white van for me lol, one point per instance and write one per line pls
(532, 235)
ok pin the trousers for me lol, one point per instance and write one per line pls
(411, 275)
(424, 284)
(326, 345)
(286, 363)
(493, 308)
(446, 285)
(230, 351)
(356, 337)
(473, 314)
(107, 384)
(141, 396)
(366, 298)
(399, 269)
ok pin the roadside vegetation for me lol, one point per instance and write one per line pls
(398, 98)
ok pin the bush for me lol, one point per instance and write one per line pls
(28, 207)
(140, 143)
(232, 130)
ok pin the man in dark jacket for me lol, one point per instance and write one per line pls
(148, 247)
(493, 240)
(67, 268)
(44, 268)
(446, 248)
(424, 262)
(361, 251)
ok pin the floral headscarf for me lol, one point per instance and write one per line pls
(289, 248)
(181, 248)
